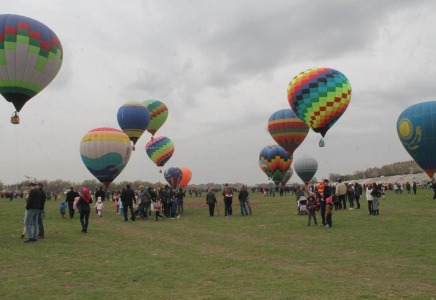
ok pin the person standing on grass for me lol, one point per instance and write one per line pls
(99, 206)
(242, 197)
(174, 202)
(128, 197)
(165, 198)
(179, 196)
(84, 201)
(100, 193)
(350, 194)
(369, 198)
(247, 201)
(211, 201)
(376, 194)
(414, 187)
(32, 206)
(41, 211)
(311, 208)
(341, 191)
(326, 194)
(228, 199)
(62, 209)
(71, 195)
(357, 193)
(329, 212)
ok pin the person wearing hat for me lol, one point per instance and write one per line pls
(311, 208)
(41, 211)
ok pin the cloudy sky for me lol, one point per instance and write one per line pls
(222, 68)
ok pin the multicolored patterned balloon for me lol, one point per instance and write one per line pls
(319, 97)
(287, 176)
(30, 58)
(276, 161)
(173, 176)
(187, 176)
(158, 115)
(306, 167)
(287, 129)
(133, 118)
(416, 128)
(105, 152)
(160, 150)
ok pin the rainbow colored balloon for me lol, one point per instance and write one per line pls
(173, 176)
(160, 150)
(105, 152)
(319, 97)
(416, 128)
(30, 58)
(158, 115)
(133, 118)
(287, 129)
(187, 176)
(277, 161)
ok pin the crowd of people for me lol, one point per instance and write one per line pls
(167, 202)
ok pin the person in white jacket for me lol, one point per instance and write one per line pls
(369, 198)
(99, 206)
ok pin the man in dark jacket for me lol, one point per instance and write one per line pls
(71, 195)
(211, 201)
(100, 193)
(41, 211)
(32, 206)
(127, 197)
(242, 197)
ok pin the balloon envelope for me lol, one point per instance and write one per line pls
(306, 167)
(173, 176)
(158, 115)
(133, 118)
(287, 129)
(187, 175)
(30, 58)
(160, 150)
(105, 152)
(416, 128)
(287, 176)
(277, 161)
(319, 97)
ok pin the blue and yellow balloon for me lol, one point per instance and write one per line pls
(133, 118)
(416, 128)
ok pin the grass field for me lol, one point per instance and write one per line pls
(272, 254)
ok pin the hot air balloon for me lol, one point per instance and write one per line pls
(160, 150)
(287, 176)
(416, 128)
(158, 115)
(30, 58)
(187, 175)
(173, 176)
(319, 97)
(287, 129)
(133, 118)
(105, 152)
(277, 161)
(306, 167)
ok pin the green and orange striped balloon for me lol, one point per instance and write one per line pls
(158, 115)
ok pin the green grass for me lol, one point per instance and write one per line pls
(272, 254)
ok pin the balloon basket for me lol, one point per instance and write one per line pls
(15, 119)
(321, 143)
(133, 148)
(160, 171)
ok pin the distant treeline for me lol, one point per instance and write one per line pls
(398, 168)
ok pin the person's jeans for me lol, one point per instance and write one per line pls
(40, 224)
(228, 203)
(174, 209)
(84, 214)
(146, 209)
(32, 215)
(248, 205)
(351, 199)
(243, 208)
(211, 209)
(329, 220)
(71, 209)
(180, 206)
(341, 199)
(312, 214)
(322, 206)
(126, 208)
(357, 201)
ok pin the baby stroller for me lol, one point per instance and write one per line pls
(302, 203)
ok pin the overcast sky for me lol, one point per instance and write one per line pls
(222, 68)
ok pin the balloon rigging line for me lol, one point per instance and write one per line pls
(40, 148)
(16, 156)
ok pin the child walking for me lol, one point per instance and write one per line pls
(62, 209)
(311, 207)
(158, 209)
(329, 211)
(121, 210)
(99, 206)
